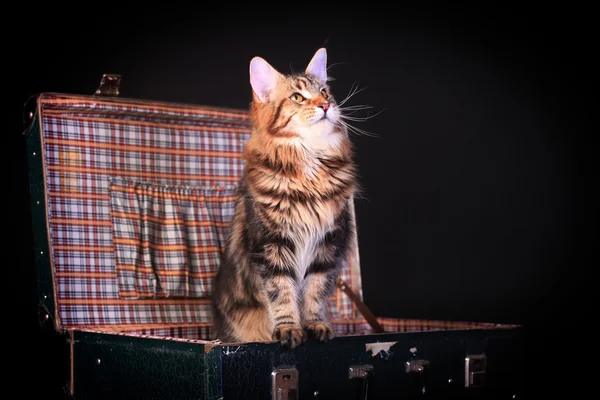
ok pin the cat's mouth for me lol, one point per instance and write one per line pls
(328, 116)
(322, 120)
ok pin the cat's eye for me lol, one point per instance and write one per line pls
(297, 97)
(324, 93)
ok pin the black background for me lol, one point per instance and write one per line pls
(471, 191)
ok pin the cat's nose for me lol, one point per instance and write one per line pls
(324, 106)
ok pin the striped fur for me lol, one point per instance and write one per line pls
(292, 224)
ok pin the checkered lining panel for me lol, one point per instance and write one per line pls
(140, 196)
(341, 327)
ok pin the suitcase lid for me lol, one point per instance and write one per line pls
(120, 186)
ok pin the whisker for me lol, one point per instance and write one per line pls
(361, 119)
(346, 113)
(356, 119)
(354, 109)
(337, 63)
(358, 106)
(350, 112)
(351, 88)
(354, 93)
(358, 131)
(349, 93)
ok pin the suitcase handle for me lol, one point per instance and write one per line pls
(109, 85)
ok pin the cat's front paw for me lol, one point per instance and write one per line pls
(319, 330)
(289, 335)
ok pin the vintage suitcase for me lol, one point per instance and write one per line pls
(109, 176)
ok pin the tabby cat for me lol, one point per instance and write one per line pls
(292, 223)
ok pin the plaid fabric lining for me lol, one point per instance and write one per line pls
(342, 327)
(360, 326)
(196, 333)
(132, 246)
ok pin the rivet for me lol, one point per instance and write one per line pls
(38, 202)
(316, 393)
(45, 297)
(514, 396)
(30, 114)
(450, 380)
(34, 153)
(97, 361)
(46, 317)
(41, 252)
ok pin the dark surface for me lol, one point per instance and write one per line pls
(43, 278)
(472, 193)
(324, 367)
(134, 368)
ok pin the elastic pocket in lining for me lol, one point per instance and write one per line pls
(168, 239)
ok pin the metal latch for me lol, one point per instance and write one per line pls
(109, 85)
(360, 371)
(362, 374)
(418, 368)
(285, 383)
(475, 369)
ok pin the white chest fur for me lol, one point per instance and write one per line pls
(305, 252)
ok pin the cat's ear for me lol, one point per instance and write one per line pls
(263, 78)
(318, 65)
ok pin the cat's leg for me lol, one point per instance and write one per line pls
(276, 264)
(319, 282)
(317, 287)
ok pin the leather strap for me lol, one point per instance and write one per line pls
(362, 307)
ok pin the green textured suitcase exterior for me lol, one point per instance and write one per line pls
(424, 365)
(120, 367)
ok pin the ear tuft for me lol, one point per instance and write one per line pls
(263, 78)
(318, 65)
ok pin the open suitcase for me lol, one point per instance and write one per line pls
(100, 166)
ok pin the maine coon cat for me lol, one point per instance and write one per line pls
(292, 223)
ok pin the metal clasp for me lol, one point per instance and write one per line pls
(417, 366)
(361, 374)
(285, 383)
(418, 369)
(475, 369)
(109, 85)
(360, 371)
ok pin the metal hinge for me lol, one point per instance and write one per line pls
(109, 85)
(44, 316)
(29, 111)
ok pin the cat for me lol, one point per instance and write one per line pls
(292, 223)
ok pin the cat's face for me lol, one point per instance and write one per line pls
(297, 104)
